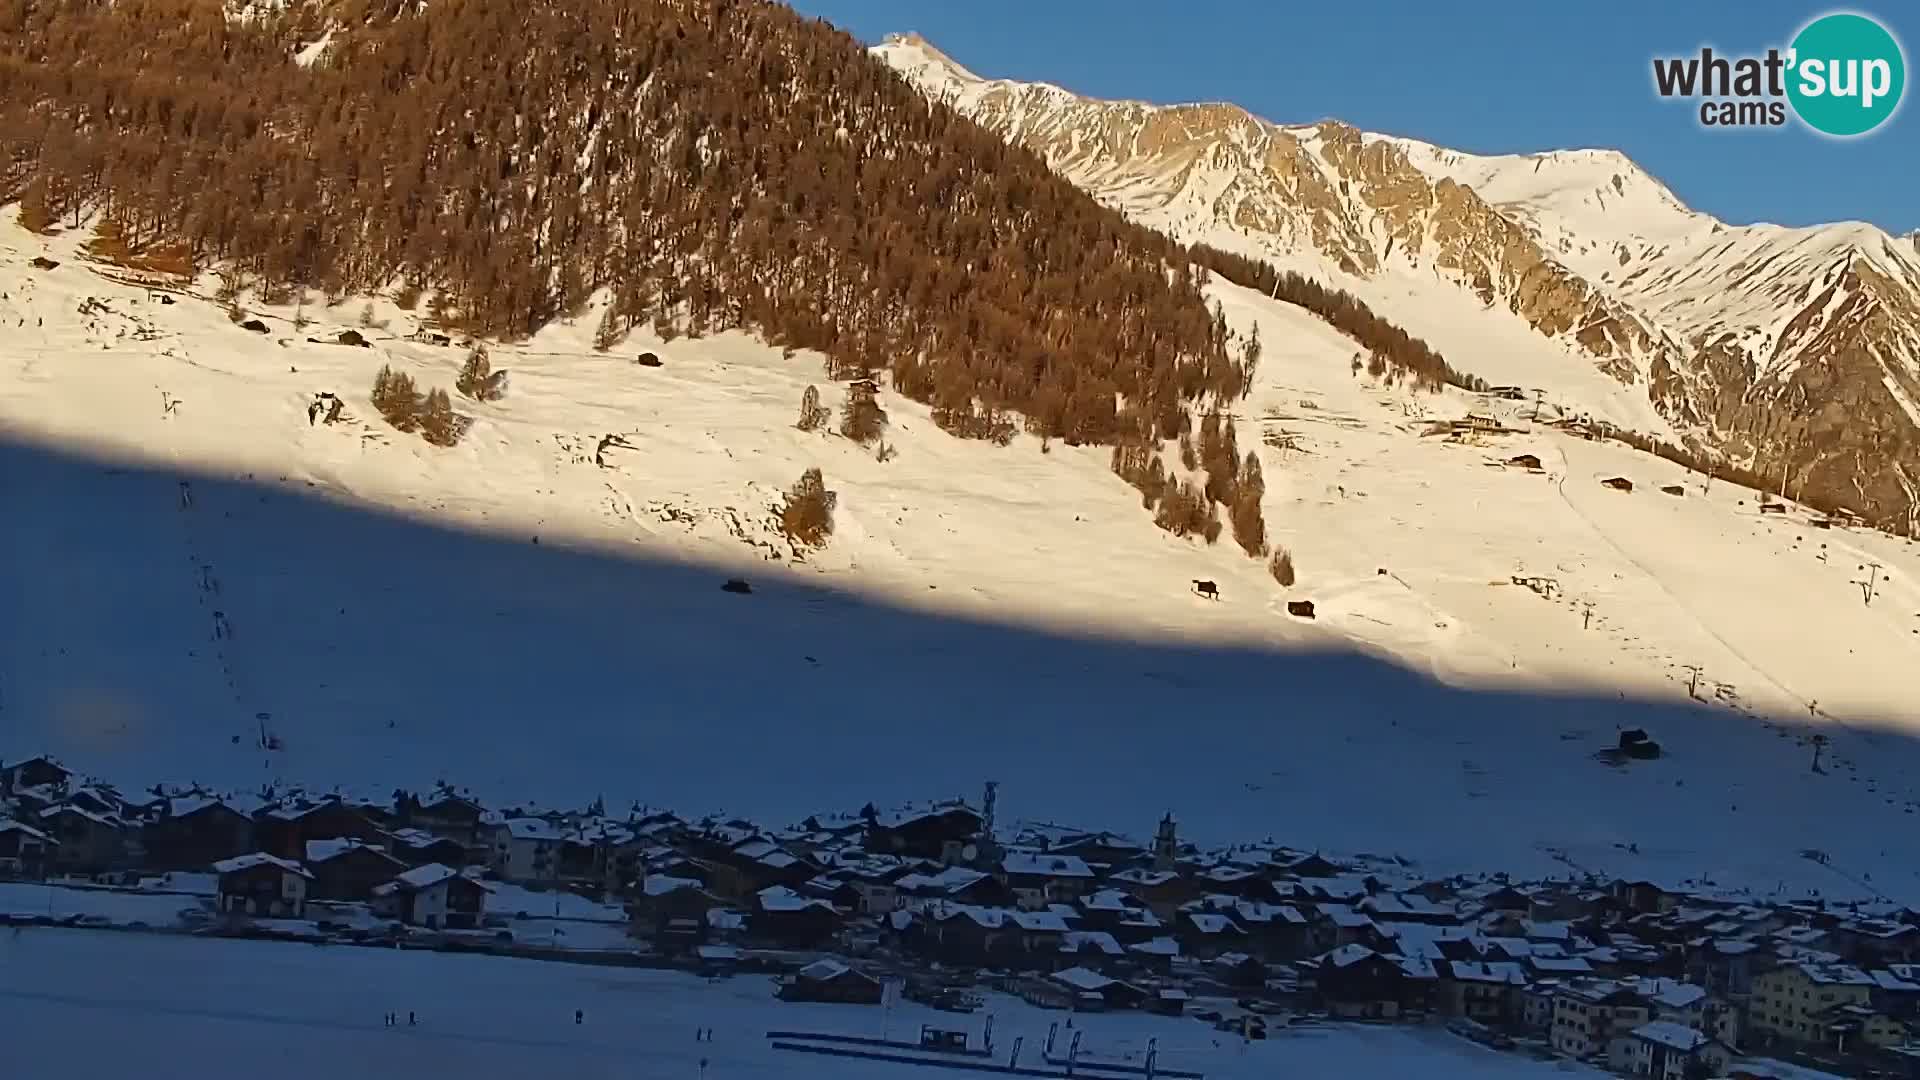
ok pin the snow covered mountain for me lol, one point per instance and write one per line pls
(381, 608)
(1795, 352)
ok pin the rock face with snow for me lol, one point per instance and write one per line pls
(1793, 351)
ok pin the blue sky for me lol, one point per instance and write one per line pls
(1492, 77)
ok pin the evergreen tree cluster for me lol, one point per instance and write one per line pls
(399, 401)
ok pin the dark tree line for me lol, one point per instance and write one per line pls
(702, 165)
(1390, 346)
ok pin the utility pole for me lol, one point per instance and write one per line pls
(1693, 681)
(1587, 621)
(1537, 395)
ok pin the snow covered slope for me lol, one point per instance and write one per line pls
(1574, 272)
(384, 611)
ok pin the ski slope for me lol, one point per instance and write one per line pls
(385, 614)
(180, 1007)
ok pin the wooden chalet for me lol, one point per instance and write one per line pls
(36, 772)
(286, 830)
(785, 918)
(90, 842)
(348, 869)
(832, 981)
(943, 832)
(188, 833)
(262, 886)
(24, 850)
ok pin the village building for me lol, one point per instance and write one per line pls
(35, 774)
(262, 886)
(24, 850)
(1790, 1002)
(832, 981)
(1039, 878)
(1162, 891)
(1663, 1050)
(90, 841)
(347, 869)
(1091, 991)
(1589, 1015)
(528, 850)
(190, 832)
(435, 897)
(1489, 993)
(417, 847)
(286, 830)
(1356, 983)
(942, 832)
(784, 917)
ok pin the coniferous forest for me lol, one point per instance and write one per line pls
(710, 164)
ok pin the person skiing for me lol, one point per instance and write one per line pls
(579, 1016)
(410, 1019)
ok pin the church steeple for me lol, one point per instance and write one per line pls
(1166, 845)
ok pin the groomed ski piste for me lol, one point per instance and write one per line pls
(79, 1003)
(386, 618)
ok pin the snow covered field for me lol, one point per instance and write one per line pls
(982, 613)
(183, 1009)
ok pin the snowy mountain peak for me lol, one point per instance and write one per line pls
(1571, 268)
(923, 64)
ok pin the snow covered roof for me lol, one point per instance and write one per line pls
(1107, 900)
(822, 970)
(1147, 878)
(1209, 923)
(8, 825)
(1893, 981)
(1043, 921)
(1493, 971)
(950, 880)
(1044, 864)
(781, 898)
(319, 851)
(1678, 995)
(248, 862)
(661, 884)
(754, 849)
(1095, 940)
(426, 877)
(525, 828)
(1345, 956)
(104, 820)
(1672, 1036)
(1835, 974)
(1345, 918)
(1160, 946)
(1560, 965)
(1082, 979)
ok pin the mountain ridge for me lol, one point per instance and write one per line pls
(1735, 339)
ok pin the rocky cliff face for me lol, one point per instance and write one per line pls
(1795, 352)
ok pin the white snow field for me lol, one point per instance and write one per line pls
(178, 1009)
(981, 613)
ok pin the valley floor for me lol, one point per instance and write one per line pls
(168, 1008)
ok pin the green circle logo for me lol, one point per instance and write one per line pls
(1848, 73)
